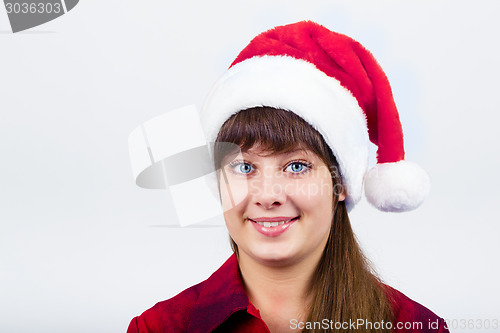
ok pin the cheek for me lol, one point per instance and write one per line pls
(233, 199)
(315, 199)
(313, 193)
(234, 225)
(233, 193)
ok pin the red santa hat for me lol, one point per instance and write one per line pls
(337, 86)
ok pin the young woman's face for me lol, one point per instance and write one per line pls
(278, 208)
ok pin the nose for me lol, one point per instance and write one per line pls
(268, 189)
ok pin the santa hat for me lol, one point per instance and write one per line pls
(337, 86)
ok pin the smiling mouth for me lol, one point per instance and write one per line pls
(275, 223)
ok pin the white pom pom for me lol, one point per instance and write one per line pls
(396, 187)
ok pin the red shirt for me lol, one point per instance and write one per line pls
(220, 304)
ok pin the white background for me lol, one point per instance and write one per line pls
(82, 249)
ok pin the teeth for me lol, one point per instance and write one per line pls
(273, 224)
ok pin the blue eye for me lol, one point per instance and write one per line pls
(297, 167)
(239, 167)
(245, 168)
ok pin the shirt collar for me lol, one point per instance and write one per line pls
(220, 295)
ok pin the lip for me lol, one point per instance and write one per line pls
(273, 219)
(276, 230)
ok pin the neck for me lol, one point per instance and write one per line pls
(281, 293)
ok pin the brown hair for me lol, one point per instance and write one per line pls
(344, 286)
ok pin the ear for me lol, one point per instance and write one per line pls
(339, 190)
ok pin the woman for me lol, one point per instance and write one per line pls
(296, 109)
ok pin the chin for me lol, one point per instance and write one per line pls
(275, 257)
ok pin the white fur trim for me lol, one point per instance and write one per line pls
(396, 187)
(298, 86)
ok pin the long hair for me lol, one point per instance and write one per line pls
(344, 286)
